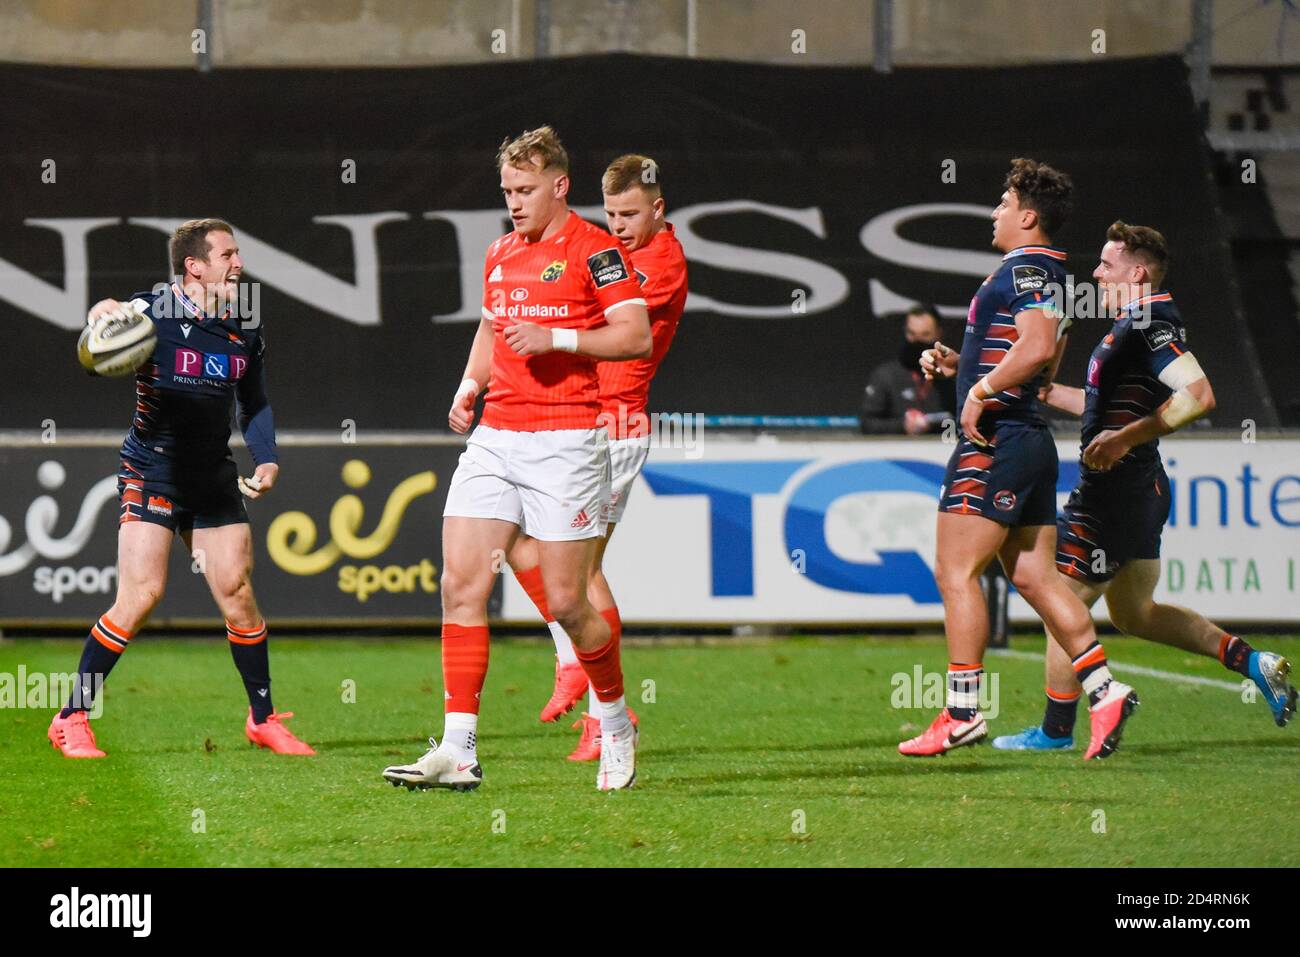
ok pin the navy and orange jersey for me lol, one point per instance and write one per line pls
(1031, 277)
(625, 386)
(571, 280)
(184, 392)
(1123, 382)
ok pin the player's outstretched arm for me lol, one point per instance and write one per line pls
(1192, 398)
(478, 368)
(1062, 398)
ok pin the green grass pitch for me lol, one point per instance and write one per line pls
(769, 753)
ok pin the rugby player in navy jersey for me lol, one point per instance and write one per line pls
(999, 494)
(1142, 382)
(177, 475)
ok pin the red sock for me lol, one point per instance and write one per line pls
(615, 623)
(531, 580)
(604, 666)
(464, 665)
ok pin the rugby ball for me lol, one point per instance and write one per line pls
(118, 343)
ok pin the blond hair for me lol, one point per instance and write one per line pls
(541, 146)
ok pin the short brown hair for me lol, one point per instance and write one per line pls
(540, 146)
(1144, 244)
(632, 169)
(1044, 189)
(191, 239)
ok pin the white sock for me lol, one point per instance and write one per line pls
(563, 644)
(593, 706)
(460, 734)
(1094, 686)
(614, 718)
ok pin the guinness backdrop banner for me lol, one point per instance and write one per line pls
(350, 532)
(813, 204)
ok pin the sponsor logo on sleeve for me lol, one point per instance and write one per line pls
(606, 268)
(1158, 334)
(1028, 279)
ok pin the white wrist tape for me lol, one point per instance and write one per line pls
(1182, 372)
(467, 385)
(564, 340)
(1181, 409)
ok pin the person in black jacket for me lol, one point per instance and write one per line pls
(898, 398)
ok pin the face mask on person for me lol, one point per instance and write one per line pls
(909, 355)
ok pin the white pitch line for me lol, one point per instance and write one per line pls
(1133, 669)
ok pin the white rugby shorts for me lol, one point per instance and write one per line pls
(626, 459)
(553, 484)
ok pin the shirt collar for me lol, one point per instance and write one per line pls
(1050, 251)
(1157, 296)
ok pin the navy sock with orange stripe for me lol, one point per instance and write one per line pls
(248, 648)
(102, 650)
(1235, 654)
(1058, 719)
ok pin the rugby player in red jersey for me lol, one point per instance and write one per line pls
(634, 210)
(558, 295)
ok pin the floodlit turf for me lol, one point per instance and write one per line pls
(779, 753)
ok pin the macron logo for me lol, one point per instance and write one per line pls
(103, 910)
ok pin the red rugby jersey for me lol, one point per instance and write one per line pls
(569, 281)
(625, 386)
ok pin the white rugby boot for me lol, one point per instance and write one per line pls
(437, 768)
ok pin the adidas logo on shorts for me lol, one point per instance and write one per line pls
(582, 519)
